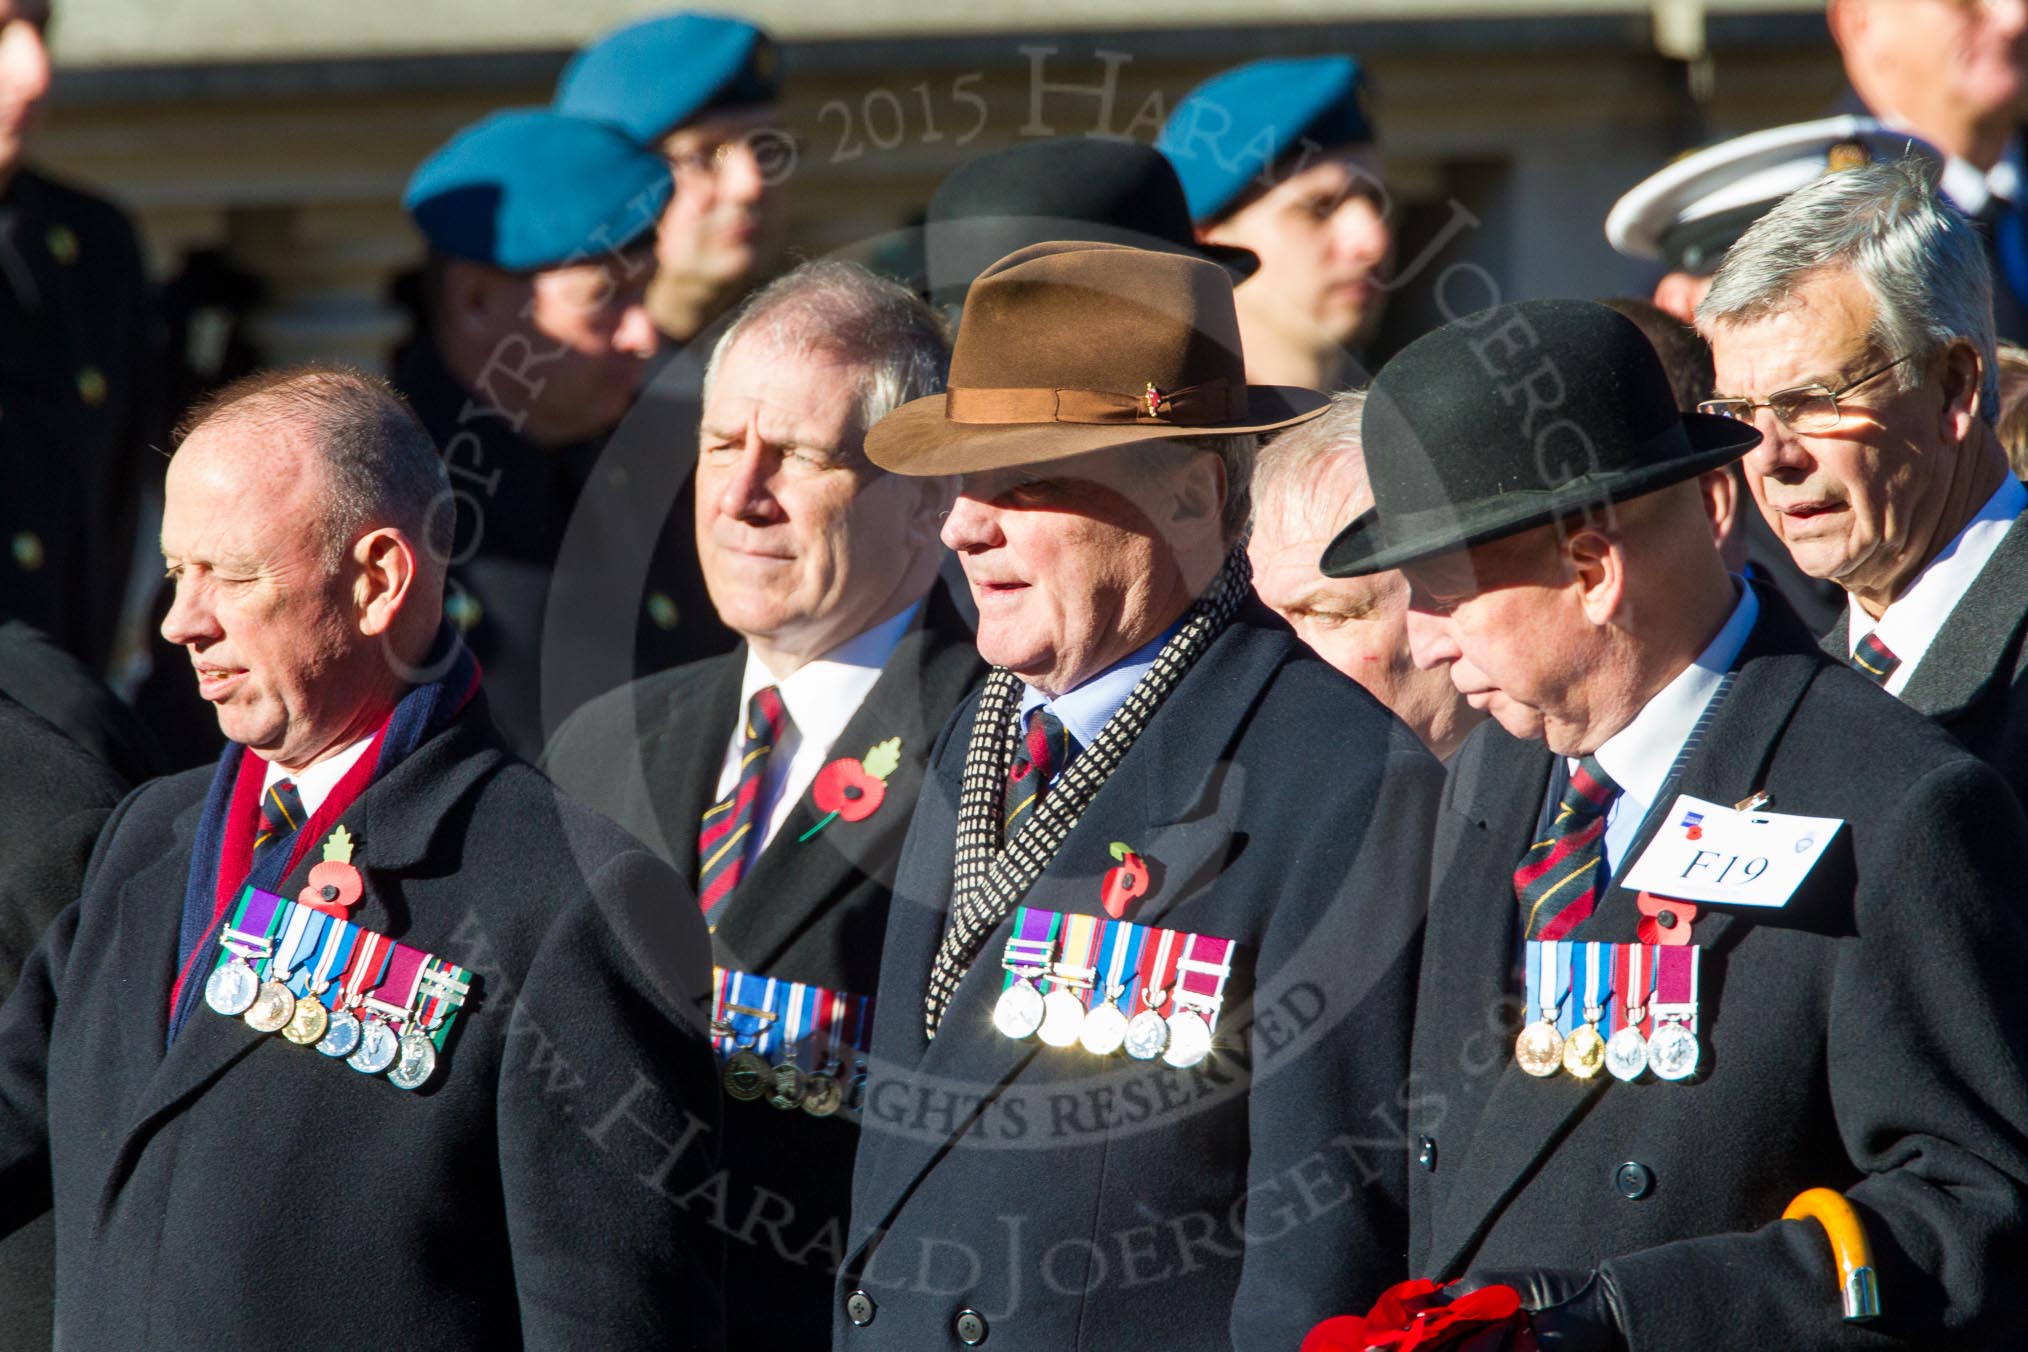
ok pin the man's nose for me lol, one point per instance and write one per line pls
(971, 525)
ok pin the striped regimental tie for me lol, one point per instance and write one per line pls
(1874, 659)
(722, 846)
(1563, 875)
(282, 815)
(1046, 748)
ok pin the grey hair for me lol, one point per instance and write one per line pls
(1315, 473)
(1920, 261)
(844, 311)
(381, 467)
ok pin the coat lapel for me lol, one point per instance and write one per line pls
(1980, 644)
(681, 768)
(1523, 1118)
(795, 881)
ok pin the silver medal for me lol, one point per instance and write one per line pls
(1673, 1052)
(1626, 1054)
(418, 1060)
(342, 1037)
(1062, 1017)
(822, 1095)
(378, 1048)
(231, 989)
(1147, 1035)
(1189, 1039)
(1105, 1030)
(1019, 1011)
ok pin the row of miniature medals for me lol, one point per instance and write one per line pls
(1113, 986)
(321, 981)
(1627, 1009)
(786, 1042)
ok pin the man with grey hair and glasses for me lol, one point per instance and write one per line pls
(780, 778)
(1853, 326)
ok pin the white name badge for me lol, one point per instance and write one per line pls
(1708, 852)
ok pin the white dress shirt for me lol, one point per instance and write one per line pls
(1970, 188)
(820, 698)
(1913, 619)
(315, 783)
(1640, 755)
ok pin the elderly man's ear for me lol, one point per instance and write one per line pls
(1200, 493)
(1962, 377)
(384, 563)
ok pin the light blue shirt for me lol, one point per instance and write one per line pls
(1087, 709)
(1640, 755)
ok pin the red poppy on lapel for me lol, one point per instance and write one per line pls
(1664, 920)
(1124, 883)
(853, 789)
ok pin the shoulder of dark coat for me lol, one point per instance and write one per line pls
(631, 715)
(49, 775)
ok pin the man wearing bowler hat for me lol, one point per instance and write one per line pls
(1697, 944)
(1140, 1039)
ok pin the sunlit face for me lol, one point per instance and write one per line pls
(1357, 624)
(24, 75)
(270, 627)
(726, 221)
(804, 543)
(1972, 52)
(1861, 503)
(1324, 241)
(1506, 622)
(1067, 565)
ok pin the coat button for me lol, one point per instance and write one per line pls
(859, 1309)
(970, 1328)
(1425, 1153)
(1634, 1180)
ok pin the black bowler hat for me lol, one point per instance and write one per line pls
(1069, 188)
(1514, 417)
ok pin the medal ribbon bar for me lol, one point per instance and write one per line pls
(1206, 965)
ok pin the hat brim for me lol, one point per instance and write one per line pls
(918, 440)
(1371, 544)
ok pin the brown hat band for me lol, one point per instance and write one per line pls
(1215, 401)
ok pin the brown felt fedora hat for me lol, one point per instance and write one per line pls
(1074, 346)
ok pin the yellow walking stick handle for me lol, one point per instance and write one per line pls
(1858, 1287)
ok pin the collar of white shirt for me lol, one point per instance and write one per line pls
(1640, 755)
(1086, 710)
(821, 697)
(1972, 188)
(1914, 618)
(315, 782)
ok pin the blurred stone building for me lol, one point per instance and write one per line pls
(262, 144)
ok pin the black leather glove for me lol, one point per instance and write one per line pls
(1568, 1311)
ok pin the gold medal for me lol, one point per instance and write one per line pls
(1539, 1049)
(307, 1024)
(1584, 1051)
(272, 1008)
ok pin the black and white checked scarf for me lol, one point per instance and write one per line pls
(989, 880)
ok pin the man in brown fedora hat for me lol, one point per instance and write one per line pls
(1140, 1037)
(1715, 922)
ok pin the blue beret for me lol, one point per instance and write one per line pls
(1238, 124)
(529, 189)
(653, 76)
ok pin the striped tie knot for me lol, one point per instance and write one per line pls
(281, 814)
(1046, 748)
(1562, 876)
(1874, 659)
(727, 831)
